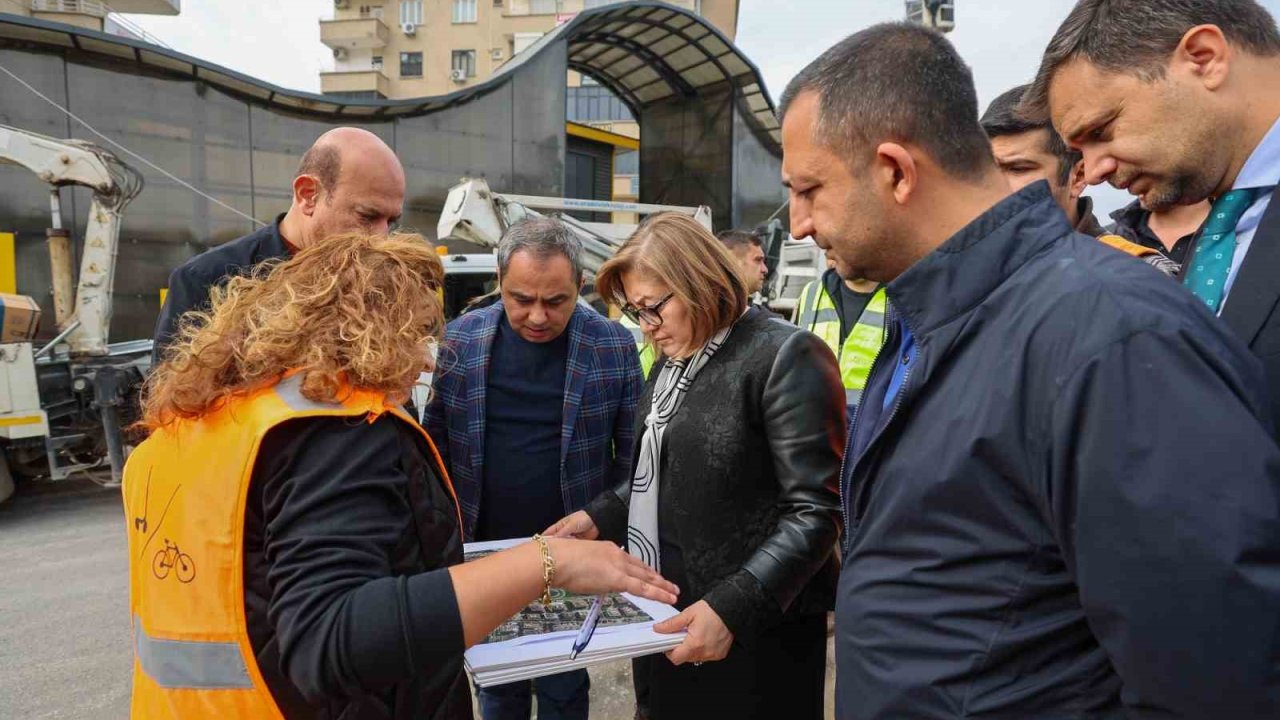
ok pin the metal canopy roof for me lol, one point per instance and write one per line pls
(648, 52)
(645, 52)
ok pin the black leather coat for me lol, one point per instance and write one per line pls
(750, 468)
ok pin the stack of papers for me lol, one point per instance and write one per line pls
(539, 640)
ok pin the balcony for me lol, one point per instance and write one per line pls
(92, 8)
(98, 9)
(358, 33)
(146, 7)
(355, 83)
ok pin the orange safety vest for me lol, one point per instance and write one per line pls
(185, 490)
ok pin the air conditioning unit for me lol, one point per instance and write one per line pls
(341, 4)
(409, 29)
(339, 53)
(458, 75)
(495, 54)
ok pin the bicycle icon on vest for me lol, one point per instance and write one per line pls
(171, 558)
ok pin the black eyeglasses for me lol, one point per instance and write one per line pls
(648, 313)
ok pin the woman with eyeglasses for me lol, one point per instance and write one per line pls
(733, 496)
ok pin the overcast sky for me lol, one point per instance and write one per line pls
(279, 41)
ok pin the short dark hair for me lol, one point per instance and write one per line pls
(737, 239)
(1138, 36)
(544, 237)
(1004, 116)
(900, 82)
(324, 163)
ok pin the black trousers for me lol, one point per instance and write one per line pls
(781, 676)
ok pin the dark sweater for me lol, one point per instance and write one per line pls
(523, 409)
(351, 612)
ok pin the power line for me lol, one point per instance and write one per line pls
(126, 150)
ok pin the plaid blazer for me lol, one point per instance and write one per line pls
(602, 383)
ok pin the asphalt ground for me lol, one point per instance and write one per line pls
(64, 603)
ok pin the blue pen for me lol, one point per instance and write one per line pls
(588, 627)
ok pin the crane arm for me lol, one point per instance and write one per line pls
(476, 214)
(61, 162)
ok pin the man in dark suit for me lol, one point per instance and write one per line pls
(348, 181)
(1178, 102)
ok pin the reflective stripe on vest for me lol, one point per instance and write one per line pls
(189, 663)
(185, 491)
(817, 311)
(806, 313)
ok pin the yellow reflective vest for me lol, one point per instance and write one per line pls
(643, 346)
(816, 313)
(185, 490)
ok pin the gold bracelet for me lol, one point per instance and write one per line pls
(548, 568)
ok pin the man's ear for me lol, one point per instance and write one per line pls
(1204, 54)
(306, 193)
(1077, 180)
(895, 172)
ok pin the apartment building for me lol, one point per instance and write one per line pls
(414, 48)
(93, 14)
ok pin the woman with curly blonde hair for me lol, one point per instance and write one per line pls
(295, 546)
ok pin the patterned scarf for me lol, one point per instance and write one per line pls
(674, 381)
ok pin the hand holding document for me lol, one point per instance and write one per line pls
(545, 640)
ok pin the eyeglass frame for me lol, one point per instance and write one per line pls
(643, 313)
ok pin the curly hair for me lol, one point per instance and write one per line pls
(353, 310)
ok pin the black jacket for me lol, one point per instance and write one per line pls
(1133, 222)
(1074, 510)
(1252, 309)
(351, 611)
(190, 282)
(749, 468)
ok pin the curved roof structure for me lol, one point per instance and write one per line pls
(645, 52)
(218, 150)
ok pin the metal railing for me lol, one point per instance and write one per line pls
(72, 7)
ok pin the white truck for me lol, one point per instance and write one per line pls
(60, 404)
(475, 213)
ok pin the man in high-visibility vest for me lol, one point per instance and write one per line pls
(849, 315)
(647, 353)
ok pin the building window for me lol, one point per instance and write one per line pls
(377, 62)
(594, 103)
(544, 7)
(410, 64)
(497, 3)
(371, 11)
(522, 40)
(465, 61)
(411, 12)
(464, 11)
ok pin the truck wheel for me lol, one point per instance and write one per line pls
(6, 479)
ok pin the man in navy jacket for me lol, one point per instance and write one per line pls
(1060, 490)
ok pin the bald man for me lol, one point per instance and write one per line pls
(348, 181)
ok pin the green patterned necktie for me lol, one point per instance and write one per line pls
(1207, 272)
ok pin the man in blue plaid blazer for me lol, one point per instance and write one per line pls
(533, 412)
(602, 383)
